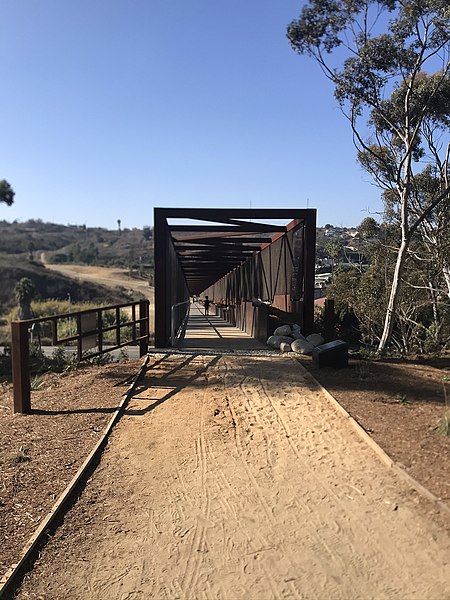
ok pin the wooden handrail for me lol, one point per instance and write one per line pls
(20, 342)
(78, 312)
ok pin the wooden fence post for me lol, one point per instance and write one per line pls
(20, 366)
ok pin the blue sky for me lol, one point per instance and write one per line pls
(111, 107)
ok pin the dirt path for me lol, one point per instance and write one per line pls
(233, 477)
(110, 276)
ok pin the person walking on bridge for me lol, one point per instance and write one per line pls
(206, 304)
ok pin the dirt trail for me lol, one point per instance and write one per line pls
(110, 276)
(233, 477)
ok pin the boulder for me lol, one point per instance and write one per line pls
(302, 347)
(297, 335)
(315, 339)
(285, 347)
(283, 330)
(274, 341)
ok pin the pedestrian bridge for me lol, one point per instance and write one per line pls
(256, 271)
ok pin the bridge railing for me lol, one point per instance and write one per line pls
(90, 334)
(179, 314)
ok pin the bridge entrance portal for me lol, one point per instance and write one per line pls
(256, 271)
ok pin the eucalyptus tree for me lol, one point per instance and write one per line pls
(389, 63)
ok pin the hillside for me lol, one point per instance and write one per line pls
(51, 284)
(24, 245)
(130, 248)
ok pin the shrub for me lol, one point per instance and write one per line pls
(5, 363)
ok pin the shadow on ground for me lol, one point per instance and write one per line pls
(394, 381)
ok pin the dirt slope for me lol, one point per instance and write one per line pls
(235, 478)
(107, 276)
(114, 277)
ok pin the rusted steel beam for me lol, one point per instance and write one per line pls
(206, 254)
(227, 229)
(20, 366)
(216, 261)
(216, 229)
(329, 318)
(218, 264)
(207, 276)
(222, 245)
(143, 326)
(309, 270)
(216, 251)
(203, 214)
(239, 225)
(133, 318)
(207, 273)
(161, 240)
(54, 332)
(226, 238)
(117, 326)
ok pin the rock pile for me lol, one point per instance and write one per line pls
(289, 338)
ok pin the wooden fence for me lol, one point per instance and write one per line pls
(90, 333)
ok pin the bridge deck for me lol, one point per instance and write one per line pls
(212, 332)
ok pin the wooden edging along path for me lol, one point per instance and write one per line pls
(12, 577)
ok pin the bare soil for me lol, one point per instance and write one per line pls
(41, 452)
(233, 477)
(400, 404)
(108, 276)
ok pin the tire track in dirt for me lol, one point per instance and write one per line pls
(231, 510)
(330, 534)
(265, 415)
(194, 561)
(328, 540)
(235, 479)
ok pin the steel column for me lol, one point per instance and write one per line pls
(309, 272)
(161, 239)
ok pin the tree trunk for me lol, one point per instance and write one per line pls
(25, 310)
(446, 273)
(393, 298)
(403, 189)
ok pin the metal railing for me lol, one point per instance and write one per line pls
(90, 330)
(177, 324)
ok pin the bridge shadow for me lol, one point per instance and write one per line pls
(395, 381)
(174, 380)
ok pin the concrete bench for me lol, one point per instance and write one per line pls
(333, 354)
